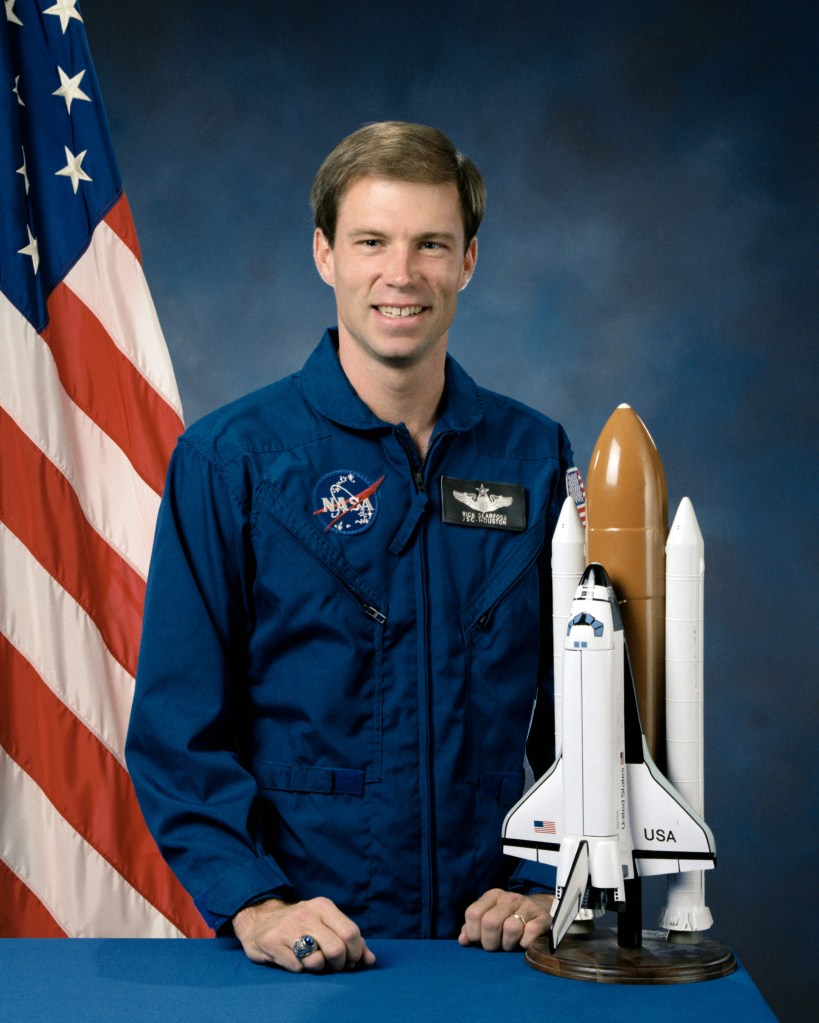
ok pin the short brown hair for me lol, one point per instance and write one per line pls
(405, 152)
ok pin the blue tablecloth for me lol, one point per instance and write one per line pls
(181, 980)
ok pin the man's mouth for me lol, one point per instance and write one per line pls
(400, 311)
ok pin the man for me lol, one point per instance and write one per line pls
(347, 619)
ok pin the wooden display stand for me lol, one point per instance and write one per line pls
(596, 956)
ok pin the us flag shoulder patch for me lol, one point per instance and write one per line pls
(576, 490)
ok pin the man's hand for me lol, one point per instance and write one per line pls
(506, 920)
(267, 931)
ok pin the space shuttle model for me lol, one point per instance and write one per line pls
(627, 603)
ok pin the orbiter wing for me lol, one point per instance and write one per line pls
(668, 836)
(534, 827)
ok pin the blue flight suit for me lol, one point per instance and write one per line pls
(342, 648)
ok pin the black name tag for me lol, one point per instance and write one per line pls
(482, 504)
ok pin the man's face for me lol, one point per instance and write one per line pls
(397, 266)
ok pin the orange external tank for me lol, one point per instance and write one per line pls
(627, 527)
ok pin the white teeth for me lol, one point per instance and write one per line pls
(400, 311)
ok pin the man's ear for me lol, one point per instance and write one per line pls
(323, 256)
(470, 259)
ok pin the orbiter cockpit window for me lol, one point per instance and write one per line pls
(586, 619)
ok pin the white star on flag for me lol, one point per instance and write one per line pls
(73, 168)
(23, 170)
(64, 10)
(16, 90)
(70, 88)
(31, 250)
(10, 15)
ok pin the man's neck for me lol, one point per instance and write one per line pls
(399, 393)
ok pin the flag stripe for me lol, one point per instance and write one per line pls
(119, 219)
(42, 849)
(101, 801)
(109, 280)
(115, 500)
(22, 915)
(73, 659)
(108, 387)
(39, 506)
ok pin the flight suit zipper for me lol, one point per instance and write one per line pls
(417, 466)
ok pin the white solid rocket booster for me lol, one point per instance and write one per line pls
(568, 564)
(685, 912)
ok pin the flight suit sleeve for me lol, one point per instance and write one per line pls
(185, 734)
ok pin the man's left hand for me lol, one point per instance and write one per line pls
(506, 920)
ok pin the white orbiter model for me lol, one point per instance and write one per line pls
(603, 814)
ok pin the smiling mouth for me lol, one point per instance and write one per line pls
(397, 312)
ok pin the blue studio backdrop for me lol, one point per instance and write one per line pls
(650, 238)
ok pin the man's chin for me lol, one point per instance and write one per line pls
(403, 358)
(393, 351)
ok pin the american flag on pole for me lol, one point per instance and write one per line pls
(89, 411)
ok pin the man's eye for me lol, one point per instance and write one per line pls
(431, 245)
(370, 243)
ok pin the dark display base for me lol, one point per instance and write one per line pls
(597, 957)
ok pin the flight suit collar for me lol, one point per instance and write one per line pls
(329, 391)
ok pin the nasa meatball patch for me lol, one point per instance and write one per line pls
(483, 504)
(345, 502)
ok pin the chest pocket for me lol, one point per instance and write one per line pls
(501, 627)
(316, 658)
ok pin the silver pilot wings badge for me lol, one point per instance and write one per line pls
(483, 504)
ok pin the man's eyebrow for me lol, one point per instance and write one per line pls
(364, 232)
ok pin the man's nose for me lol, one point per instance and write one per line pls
(401, 266)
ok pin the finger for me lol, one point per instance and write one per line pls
(513, 930)
(334, 951)
(472, 930)
(367, 959)
(341, 941)
(524, 925)
(316, 962)
(524, 920)
(492, 927)
(535, 929)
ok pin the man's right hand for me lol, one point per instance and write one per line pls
(268, 931)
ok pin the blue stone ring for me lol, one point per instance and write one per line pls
(304, 946)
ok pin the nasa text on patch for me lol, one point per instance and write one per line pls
(345, 502)
(482, 504)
